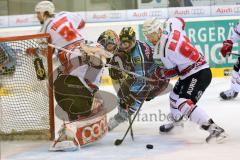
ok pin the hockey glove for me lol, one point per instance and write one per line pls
(114, 73)
(161, 74)
(226, 48)
(119, 61)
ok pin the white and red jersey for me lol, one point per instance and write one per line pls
(236, 34)
(175, 50)
(175, 23)
(63, 28)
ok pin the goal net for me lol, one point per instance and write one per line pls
(26, 98)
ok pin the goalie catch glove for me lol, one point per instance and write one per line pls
(95, 55)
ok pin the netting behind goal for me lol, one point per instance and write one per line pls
(26, 100)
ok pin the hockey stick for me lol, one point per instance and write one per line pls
(131, 130)
(235, 54)
(108, 65)
(119, 141)
(131, 73)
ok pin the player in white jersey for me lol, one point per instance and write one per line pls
(79, 76)
(180, 57)
(235, 81)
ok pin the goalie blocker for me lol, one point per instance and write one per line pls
(86, 110)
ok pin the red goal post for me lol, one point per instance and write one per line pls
(23, 96)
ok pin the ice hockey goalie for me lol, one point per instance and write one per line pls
(7, 59)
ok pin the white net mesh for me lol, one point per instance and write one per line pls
(24, 99)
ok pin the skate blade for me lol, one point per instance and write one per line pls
(222, 138)
(218, 140)
(72, 149)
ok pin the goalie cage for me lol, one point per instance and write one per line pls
(26, 101)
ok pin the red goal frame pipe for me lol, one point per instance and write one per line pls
(50, 71)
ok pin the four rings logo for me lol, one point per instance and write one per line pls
(197, 11)
(115, 15)
(237, 10)
(156, 14)
(193, 11)
(93, 132)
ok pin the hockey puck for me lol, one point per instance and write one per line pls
(149, 146)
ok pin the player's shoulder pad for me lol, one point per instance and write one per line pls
(61, 13)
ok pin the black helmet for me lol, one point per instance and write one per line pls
(108, 37)
(127, 38)
(127, 34)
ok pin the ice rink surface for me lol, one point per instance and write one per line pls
(187, 143)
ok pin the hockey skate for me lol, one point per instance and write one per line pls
(165, 128)
(66, 142)
(229, 94)
(215, 132)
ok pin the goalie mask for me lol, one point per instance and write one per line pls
(109, 40)
(127, 39)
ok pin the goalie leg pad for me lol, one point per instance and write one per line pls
(72, 96)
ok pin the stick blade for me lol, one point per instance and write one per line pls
(118, 142)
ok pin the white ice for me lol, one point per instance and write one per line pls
(182, 144)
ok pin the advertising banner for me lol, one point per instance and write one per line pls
(198, 11)
(142, 14)
(3, 21)
(105, 16)
(23, 20)
(225, 10)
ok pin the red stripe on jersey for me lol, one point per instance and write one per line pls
(172, 46)
(176, 35)
(81, 24)
(59, 23)
(183, 22)
(170, 72)
(188, 51)
(187, 39)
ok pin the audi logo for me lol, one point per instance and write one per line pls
(237, 10)
(156, 13)
(115, 15)
(197, 11)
